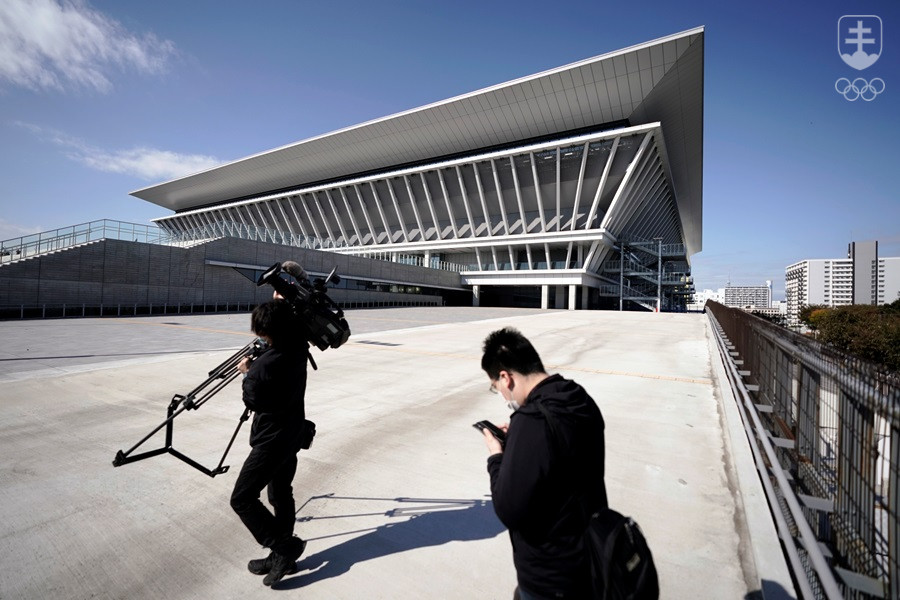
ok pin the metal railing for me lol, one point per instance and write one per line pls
(75, 235)
(825, 430)
(653, 247)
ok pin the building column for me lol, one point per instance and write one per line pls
(545, 297)
(476, 295)
(573, 290)
(428, 258)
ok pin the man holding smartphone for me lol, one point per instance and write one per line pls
(547, 479)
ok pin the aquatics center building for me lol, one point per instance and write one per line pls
(577, 187)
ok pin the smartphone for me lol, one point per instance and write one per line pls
(495, 431)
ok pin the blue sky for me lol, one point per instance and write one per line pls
(101, 98)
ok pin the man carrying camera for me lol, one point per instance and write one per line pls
(274, 388)
(548, 478)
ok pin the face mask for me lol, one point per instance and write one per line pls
(513, 405)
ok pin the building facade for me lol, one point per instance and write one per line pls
(578, 187)
(861, 278)
(888, 280)
(864, 256)
(758, 296)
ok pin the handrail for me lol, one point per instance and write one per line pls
(74, 235)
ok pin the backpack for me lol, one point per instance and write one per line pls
(621, 564)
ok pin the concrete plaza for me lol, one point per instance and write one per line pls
(393, 497)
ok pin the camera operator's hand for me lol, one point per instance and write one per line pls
(244, 365)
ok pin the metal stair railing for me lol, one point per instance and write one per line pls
(36, 244)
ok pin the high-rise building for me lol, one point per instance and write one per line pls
(861, 278)
(864, 256)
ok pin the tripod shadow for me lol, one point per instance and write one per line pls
(432, 522)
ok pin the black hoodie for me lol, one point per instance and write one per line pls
(545, 485)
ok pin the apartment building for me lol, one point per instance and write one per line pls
(861, 278)
(759, 296)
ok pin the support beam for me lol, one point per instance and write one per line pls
(359, 237)
(584, 158)
(415, 207)
(437, 226)
(365, 212)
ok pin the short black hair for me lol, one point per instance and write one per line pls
(275, 320)
(508, 350)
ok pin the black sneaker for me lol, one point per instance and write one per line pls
(284, 564)
(261, 566)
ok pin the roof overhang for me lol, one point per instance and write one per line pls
(660, 80)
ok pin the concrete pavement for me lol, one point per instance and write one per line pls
(393, 496)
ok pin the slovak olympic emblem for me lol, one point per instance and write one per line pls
(859, 40)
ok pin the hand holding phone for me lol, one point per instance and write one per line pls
(493, 429)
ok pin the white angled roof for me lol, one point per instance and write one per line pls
(661, 80)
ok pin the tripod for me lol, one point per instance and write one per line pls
(218, 378)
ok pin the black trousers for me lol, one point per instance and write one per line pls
(275, 471)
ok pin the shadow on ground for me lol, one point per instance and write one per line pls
(430, 522)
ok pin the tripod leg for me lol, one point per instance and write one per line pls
(220, 469)
(226, 371)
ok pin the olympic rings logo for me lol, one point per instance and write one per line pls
(859, 88)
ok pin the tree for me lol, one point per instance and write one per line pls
(868, 332)
(776, 319)
(811, 314)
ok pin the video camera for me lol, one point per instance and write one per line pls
(321, 319)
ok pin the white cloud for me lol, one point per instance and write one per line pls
(50, 44)
(149, 164)
(146, 163)
(14, 230)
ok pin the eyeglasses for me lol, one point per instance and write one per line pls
(493, 389)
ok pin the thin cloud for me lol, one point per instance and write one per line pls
(57, 45)
(9, 230)
(149, 164)
(145, 163)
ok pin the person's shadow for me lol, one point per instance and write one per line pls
(431, 522)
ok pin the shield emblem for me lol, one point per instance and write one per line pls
(859, 40)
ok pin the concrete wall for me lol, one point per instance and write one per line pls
(111, 272)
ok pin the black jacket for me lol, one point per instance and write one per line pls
(274, 389)
(544, 486)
